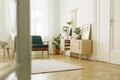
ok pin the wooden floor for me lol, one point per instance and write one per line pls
(93, 70)
(4, 63)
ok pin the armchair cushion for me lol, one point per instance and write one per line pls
(39, 46)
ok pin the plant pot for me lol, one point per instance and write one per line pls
(57, 51)
(78, 36)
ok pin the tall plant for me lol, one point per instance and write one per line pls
(56, 41)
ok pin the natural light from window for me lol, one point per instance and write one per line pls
(39, 18)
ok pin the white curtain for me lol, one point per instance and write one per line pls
(8, 22)
(12, 15)
(7, 19)
(41, 22)
(39, 18)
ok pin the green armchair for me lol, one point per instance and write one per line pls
(38, 44)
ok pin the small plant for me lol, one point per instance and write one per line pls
(70, 22)
(56, 42)
(77, 30)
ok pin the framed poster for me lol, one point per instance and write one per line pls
(86, 29)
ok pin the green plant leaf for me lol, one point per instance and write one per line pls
(77, 30)
(56, 42)
(70, 22)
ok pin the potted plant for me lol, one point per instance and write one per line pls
(56, 43)
(78, 32)
(67, 28)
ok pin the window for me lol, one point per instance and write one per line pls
(39, 18)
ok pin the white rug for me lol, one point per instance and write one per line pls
(47, 66)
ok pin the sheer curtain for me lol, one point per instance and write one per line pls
(41, 22)
(40, 18)
(7, 21)
(44, 19)
(7, 31)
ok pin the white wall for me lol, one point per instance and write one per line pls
(85, 12)
(85, 15)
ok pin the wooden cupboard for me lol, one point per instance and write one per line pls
(79, 47)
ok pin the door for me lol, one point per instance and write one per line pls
(103, 30)
(115, 32)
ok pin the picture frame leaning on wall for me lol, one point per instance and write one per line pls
(86, 31)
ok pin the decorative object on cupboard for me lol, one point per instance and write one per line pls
(67, 30)
(77, 31)
(86, 30)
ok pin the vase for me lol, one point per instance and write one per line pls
(78, 36)
(66, 35)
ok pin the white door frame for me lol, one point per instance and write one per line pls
(23, 43)
(114, 41)
(103, 30)
(23, 33)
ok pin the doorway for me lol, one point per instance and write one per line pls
(115, 33)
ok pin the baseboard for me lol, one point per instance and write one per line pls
(74, 55)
